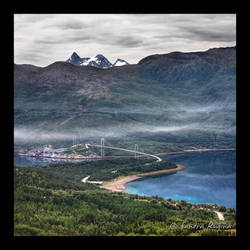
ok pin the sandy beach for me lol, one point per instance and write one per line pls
(119, 186)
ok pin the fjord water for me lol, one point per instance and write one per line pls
(210, 178)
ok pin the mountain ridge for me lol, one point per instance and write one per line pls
(150, 57)
(161, 70)
(176, 55)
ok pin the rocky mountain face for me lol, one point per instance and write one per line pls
(120, 62)
(76, 59)
(98, 61)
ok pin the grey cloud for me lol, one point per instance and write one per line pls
(197, 34)
(63, 40)
(133, 36)
(79, 38)
(214, 35)
(128, 41)
(69, 25)
(45, 41)
(32, 18)
(72, 25)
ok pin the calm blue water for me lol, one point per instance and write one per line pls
(210, 178)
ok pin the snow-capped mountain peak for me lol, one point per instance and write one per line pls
(75, 56)
(120, 62)
(99, 61)
(76, 59)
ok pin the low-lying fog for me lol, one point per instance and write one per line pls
(214, 118)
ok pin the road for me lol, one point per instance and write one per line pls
(196, 150)
(126, 150)
(85, 180)
(220, 215)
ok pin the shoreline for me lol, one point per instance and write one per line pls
(63, 158)
(196, 150)
(155, 154)
(119, 186)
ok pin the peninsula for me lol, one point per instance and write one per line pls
(119, 185)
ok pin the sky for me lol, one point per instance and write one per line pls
(42, 39)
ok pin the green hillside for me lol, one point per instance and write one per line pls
(47, 205)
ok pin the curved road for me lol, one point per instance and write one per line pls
(220, 215)
(127, 150)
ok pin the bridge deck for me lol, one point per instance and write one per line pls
(127, 150)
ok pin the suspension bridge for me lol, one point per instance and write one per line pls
(156, 155)
(135, 151)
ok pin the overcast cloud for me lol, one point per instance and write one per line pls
(42, 39)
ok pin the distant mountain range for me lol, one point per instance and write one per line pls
(160, 91)
(98, 61)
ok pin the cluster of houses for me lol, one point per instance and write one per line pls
(62, 153)
(46, 151)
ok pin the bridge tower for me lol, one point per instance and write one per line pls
(136, 150)
(102, 148)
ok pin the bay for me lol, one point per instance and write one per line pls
(210, 178)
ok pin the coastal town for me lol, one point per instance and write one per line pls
(78, 151)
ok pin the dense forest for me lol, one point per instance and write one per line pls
(47, 203)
